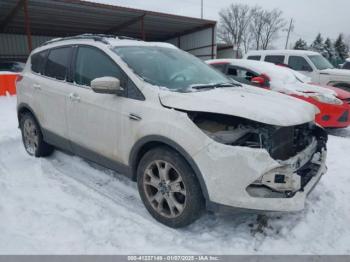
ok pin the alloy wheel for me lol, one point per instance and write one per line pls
(164, 188)
(30, 136)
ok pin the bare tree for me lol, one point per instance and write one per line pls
(256, 26)
(273, 24)
(247, 40)
(234, 22)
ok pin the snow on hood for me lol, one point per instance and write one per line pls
(303, 89)
(246, 102)
(336, 72)
(288, 81)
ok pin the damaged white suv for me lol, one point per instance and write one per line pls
(190, 137)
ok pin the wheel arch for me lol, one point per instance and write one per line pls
(339, 84)
(147, 143)
(23, 108)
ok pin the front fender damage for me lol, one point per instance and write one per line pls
(273, 162)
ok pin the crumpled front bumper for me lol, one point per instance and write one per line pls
(229, 172)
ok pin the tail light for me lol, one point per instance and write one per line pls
(19, 78)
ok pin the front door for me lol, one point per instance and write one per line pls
(299, 63)
(94, 120)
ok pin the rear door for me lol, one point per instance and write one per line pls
(52, 89)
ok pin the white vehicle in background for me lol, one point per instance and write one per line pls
(309, 63)
(191, 137)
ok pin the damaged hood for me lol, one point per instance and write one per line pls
(247, 102)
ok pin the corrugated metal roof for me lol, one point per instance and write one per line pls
(71, 17)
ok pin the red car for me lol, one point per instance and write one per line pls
(333, 103)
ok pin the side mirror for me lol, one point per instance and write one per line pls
(258, 80)
(106, 85)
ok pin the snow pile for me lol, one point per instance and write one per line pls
(65, 205)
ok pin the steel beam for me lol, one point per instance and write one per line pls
(11, 15)
(27, 25)
(125, 24)
(143, 35)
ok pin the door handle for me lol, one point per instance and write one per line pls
(37, 87)
(74, 97)
(134, 117)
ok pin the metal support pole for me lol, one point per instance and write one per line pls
(27, 25)
(289, 30)
(143, 28)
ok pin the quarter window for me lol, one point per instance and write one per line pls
(92, 63)
(276, 59)
(57, 65)
(299, 63)
(38, 62)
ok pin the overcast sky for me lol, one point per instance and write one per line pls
(329, 17)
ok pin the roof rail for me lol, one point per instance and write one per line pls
(96, 37)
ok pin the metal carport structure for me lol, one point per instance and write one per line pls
(25, 24)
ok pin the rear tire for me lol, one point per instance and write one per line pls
(32, 137)
(169, 188)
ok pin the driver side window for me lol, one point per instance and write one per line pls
(241, 75)
(299, 63)
(92, 63)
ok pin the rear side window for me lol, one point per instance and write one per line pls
(254, 57)
(57, 65)
(276, 59)
(92, 63)
(299, 63)
(38, 62)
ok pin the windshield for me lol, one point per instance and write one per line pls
(320, 62)
(169, 67)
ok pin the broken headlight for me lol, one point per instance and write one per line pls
(281, 142)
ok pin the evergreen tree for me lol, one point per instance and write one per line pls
(341, 49)
(330, 52)
(300, 45)
(318, 45)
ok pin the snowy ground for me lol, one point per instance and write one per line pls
(65, 205)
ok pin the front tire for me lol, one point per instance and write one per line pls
(169, 188)
(32, 137)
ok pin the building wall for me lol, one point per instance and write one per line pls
(225, 53)
(199, 43)
(15, 47)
